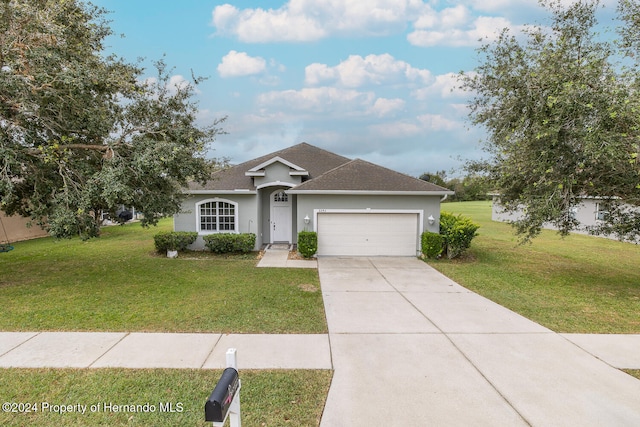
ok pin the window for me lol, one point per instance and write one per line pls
(281, 196)
(217, 216)
(602, 211)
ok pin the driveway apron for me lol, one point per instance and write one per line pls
(410, 347)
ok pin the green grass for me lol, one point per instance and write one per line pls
(118, 283)
(579, 284)
(268, 398)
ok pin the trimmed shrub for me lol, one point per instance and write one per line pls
(224, 243)
(174, 240)
(307, 243)
(432, 244)
(457, 231)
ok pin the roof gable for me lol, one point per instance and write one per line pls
(315, 161)
(259, 170)
(361, 176)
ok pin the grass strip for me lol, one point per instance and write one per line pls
(157, 397)
(579, 284)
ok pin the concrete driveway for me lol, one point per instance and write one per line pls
(410, 347)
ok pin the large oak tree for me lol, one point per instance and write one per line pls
(562, 110)
(81, 132)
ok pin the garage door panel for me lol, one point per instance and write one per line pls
(367, 234)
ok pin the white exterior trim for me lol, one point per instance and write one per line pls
(255, 171)
(236, 191)
(371, 192)
(275, 184)
(236, 224)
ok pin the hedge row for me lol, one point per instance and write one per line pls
(230, 242)
(174, 240)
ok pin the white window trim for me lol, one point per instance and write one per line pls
(217, 199)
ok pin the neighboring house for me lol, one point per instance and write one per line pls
(356, 207)
(589, 213)
(15, 228)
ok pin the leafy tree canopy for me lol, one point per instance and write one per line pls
(438, 178)
(82, 133)
(561, 108)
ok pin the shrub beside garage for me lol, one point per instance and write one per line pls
(456, 234)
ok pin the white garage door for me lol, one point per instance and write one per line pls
(367, 234)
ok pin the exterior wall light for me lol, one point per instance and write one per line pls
(306, 219)
(431, 219)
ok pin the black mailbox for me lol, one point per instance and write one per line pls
(221, 397)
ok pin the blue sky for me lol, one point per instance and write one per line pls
(369, 79)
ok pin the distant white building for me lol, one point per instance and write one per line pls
(589, 213)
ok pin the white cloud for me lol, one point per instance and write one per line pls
(310, 20)
(443, 86)
(437, 122)
(177, 82)
(235, 64)
(456, 26)
(261, 26)
(320, 99)
(396, 130)
(385, 107)
(307, 20)
(357, 71)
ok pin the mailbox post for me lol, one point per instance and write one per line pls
(225, 398)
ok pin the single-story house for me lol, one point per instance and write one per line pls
(356, 207)
(590, 213)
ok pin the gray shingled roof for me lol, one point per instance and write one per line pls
(360, 175)
(313, 159)
(327, 172)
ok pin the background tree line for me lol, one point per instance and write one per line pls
(468, 188)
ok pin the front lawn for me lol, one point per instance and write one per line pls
(110, 397)
(118, 283)
(579, 284)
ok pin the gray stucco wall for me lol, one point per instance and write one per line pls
(277, 172)
(247, 215)
(307, 203)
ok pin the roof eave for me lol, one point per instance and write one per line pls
(373, 192)
(236, 191)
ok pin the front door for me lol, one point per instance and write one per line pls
(280, 217)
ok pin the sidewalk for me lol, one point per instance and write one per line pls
(261, 351)
(161, 350)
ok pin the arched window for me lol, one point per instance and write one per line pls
(280, 196)
(217, 216)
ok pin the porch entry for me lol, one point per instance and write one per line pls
(280, 223)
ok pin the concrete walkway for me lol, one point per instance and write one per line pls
(158, 350)
(412, 348)
(408, 346)
(277, 255)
